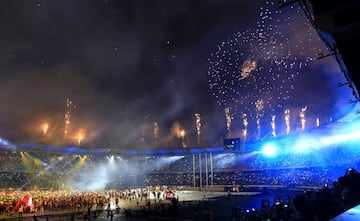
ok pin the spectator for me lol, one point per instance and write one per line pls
(300, 208)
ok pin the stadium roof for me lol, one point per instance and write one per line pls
(340, 19)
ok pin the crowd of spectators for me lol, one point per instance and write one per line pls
(323, 204)
(323, 171)
(52, 170)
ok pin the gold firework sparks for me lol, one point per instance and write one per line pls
(45, 128)
(156, 130)
(246, 68)
(198, 127)
(67, 116)
(302, 117)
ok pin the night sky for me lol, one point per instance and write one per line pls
(125, 65)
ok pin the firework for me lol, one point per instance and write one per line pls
(287, 120)
(182, 134)
(198, 127)
(228, 121)
(80, 136)
(302, 117)
(273, 125)
(156, 130)
(67, 116)
(258, 125)
(246, 68)
(45, 128)
(262, 64)
(245, 123)
(259, 104)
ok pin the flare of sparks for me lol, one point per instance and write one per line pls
(156, 130)
(245, 123)
(259, 104)
(81, 136)
(302, 117)
(273, 125)
(198, 127)
(182, 134)
(45, 128)
(67, 116)
(228, 120)
(287, 120)
(317, 122)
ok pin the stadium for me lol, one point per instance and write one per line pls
(279, 156)
(307, 161)
(276, 161)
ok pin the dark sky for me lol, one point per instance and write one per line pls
(128, 64)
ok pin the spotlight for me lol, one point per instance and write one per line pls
(269, 150)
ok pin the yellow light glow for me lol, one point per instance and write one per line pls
(45, 128)
(182, 134)
(81, 136)
(302, 117)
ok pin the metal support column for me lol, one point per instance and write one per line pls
(206, 172)
(200, 172)
(211, 170)
(194, 174)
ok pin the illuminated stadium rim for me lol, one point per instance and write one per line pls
(300, 142)
(87, 150)
(175, 151)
